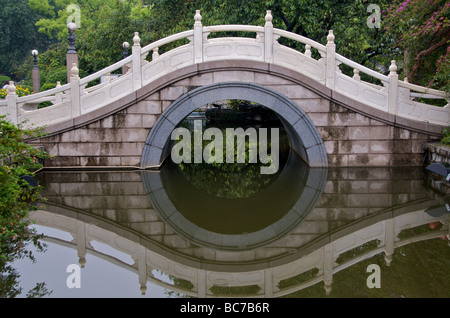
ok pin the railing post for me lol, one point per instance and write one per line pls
(75, 91)
(389, 240)
(328, 267)
(136, 52)
(268, 38)
(58, 96)
(11, 101)
(331, 61)
(198, 38)
(393, 89)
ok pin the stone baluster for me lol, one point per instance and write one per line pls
(58, 96)
(393, 89)
(268, 283)
(198, 38)
(75, 91)
(11, 101)
(107, 79)
(201, 283)
(136, 66)
(308, 50)
(330, 61)
(328, 267)
(389, 240)
(155, 54)
(142, 268)
(268, 38)
(81, 243)
(356, 75)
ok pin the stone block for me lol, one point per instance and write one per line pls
(313, 105)
(173, 92)
(132, 135)
(401, 146)
(353, 147)
(380, 146)
(269, 79)
(145, 107)
(332, 133)
(347, 119)
(370, 133)
(196, 80)
(130, 161)
(67, 149)
(234, 76)
(338, 160)
(120, 148)
(295, 91)
(319, 119)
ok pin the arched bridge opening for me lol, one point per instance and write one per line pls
(304, 138)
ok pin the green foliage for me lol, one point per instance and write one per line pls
(446, 136)
(18, 34)
(17, 198)
(4, 79)
(420, 31)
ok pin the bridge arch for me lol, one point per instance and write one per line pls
(304, 137)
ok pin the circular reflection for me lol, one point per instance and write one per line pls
(235, 180)
(236, 223)
(233, 206)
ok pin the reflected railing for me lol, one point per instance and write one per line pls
(359, 213)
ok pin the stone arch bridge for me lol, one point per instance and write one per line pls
(332, 119)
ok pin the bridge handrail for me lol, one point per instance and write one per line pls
(56, 90)
(106, 70)
(327, 72)
(233, 27)
(166, 40)
(424, 90)
(299, 38)
(362, 68)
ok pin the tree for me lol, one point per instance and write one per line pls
(18, 34)
(18, 197)
(421, 33)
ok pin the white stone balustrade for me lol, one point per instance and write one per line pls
(394, 96)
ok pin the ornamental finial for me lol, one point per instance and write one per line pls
(330, 37)
(74, 71)
(198, 17)
(393, 67)
(11, 88)
(136, 39)
(269, 17)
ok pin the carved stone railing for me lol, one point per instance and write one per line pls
(74, 99)
(145, 261)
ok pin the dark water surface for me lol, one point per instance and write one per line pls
(300, 233)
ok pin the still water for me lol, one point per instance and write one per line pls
(303, 232)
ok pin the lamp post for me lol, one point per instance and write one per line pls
(35, 72)
(72, 55)
(125, 46)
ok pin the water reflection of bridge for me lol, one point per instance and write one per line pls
(358, 208)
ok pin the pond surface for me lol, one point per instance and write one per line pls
(299, 233)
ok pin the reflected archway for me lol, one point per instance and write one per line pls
(236, 224)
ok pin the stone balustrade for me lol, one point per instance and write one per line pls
(76, 98)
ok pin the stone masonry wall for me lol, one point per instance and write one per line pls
(352, 138)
